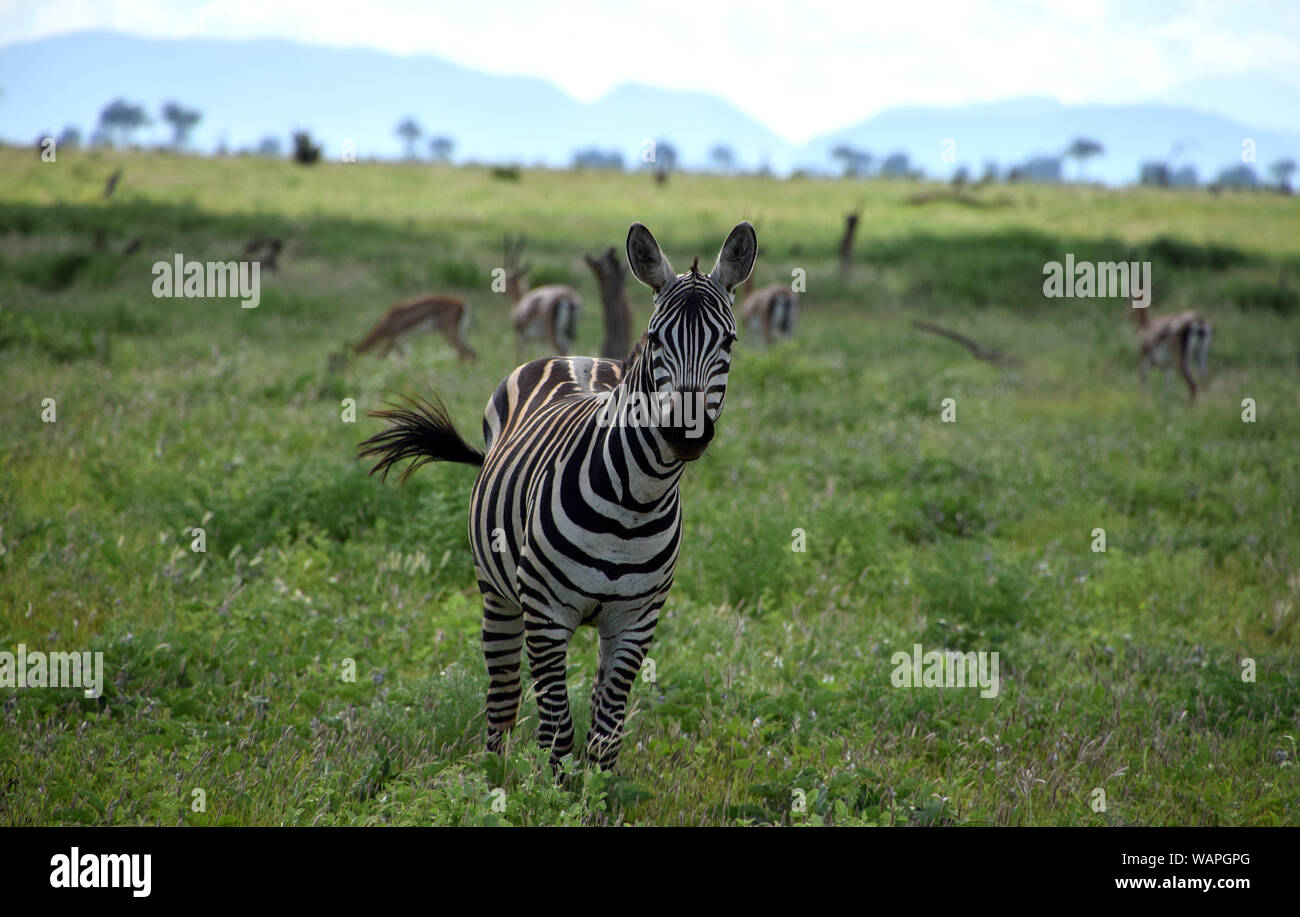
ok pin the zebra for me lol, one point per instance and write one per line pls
(575, 516)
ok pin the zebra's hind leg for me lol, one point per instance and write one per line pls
(503, 644)
(621, 656)
(547, 641)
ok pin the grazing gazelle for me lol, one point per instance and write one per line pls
(443, 313)
(550, 311)
(1184, 335)
(770, 311)
(575, 517)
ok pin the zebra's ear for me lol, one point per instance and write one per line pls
(736, 260)
(647, 261)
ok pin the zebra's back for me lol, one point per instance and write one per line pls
(548, 514)
(541, 381)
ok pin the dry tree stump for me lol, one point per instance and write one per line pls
(846, 243)
(611, 277)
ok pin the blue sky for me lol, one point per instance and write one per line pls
(801, 68)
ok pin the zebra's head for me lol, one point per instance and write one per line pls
(686, 351)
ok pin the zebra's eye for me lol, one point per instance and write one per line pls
(652, 338)
(728, 339)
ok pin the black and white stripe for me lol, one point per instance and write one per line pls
(575, 520)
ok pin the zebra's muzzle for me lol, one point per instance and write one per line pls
(686, 426)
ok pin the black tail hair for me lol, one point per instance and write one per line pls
(422, 431)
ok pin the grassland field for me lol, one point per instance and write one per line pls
(1120, 670)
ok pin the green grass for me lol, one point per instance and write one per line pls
(1120, 670)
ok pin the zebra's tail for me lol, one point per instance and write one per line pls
(421, 431)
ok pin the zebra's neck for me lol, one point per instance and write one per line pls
(639, 467)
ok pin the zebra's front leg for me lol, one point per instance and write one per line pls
(621, 656)
(503, 644)
(548, 650)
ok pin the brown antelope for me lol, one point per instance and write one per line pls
(443, 313)
(549, 311)
(770, 311)
(1183, 335)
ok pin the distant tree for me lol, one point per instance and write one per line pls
(1083, 149)
(69, 137)
(410, 132)
(1160, 173)
(722, 157)
(1154, 173)
(182, 121)
(843, 154)
(120, 119)
(853, 161)
(1046, 169)
(269, 146)
(305, 152)
(665, 160)
(440, 148)
(1281, 172)
(896, 165)
(593, 158)
(665, 155)
(1242, 176)
(990, 173)
(960, 177)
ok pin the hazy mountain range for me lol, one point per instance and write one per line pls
(248, 90)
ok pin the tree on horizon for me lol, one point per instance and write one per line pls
(182, 121)
(854, 162)
(1281, 172)
(410, 131)
(440, 148)
(120, 120)
(722, 157)
(1083, 149)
